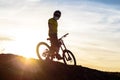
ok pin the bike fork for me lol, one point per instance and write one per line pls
(68, 58)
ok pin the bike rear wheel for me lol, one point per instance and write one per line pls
(69, 58)
(42, 50)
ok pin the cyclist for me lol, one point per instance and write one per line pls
(53, 34)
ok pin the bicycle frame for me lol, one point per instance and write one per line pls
(62, 42)
(67, 55)
(62, 46)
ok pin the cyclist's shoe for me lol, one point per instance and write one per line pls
(53, 55)
(58, 57)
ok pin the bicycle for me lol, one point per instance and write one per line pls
(43, 52)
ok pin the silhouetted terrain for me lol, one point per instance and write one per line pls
(13, 67)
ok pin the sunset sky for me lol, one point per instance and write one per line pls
(93, 27)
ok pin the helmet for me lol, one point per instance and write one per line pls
(57, 13)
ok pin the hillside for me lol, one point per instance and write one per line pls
(13, 67)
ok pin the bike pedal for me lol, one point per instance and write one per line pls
(69, 58)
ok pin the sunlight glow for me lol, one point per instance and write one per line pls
(23, 43)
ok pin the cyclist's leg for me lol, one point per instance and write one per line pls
(52, 41)
(54, 44)
(56, 47)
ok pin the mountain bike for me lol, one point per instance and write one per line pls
(43, 52)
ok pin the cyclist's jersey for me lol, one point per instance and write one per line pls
(54, 24)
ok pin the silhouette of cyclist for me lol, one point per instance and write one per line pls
(53, 34)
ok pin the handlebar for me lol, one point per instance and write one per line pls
(61, 37)
(64, 36)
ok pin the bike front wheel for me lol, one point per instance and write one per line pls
(69, 58)
(42, 50)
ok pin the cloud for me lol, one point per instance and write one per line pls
(16, 3)
(5, 38)
(113, 2)
(11, 3)
(98, 25)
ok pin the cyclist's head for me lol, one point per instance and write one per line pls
(57, 14)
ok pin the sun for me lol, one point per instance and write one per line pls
(21, 48)
(24, 44)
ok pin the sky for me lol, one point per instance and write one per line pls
(93, 27)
